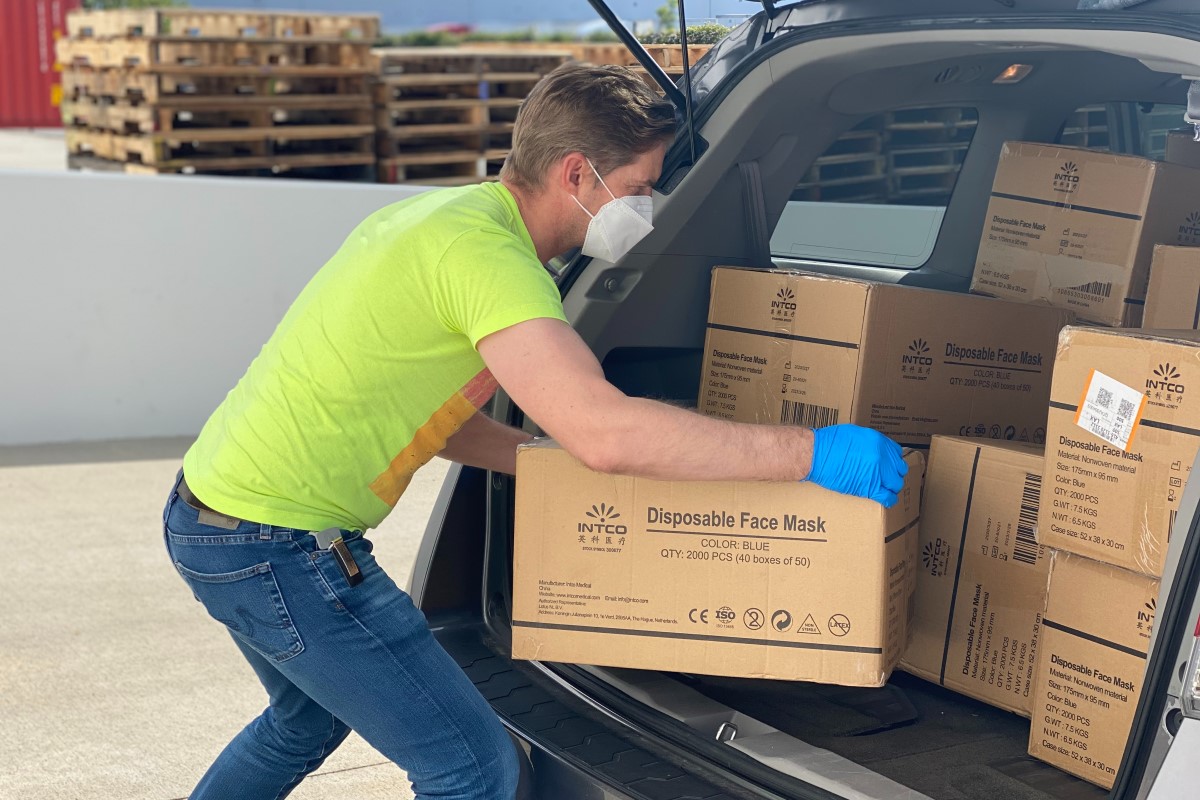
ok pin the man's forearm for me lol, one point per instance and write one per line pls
(483, 442)
(655, 440)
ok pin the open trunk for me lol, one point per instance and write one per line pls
(783, 107)
(920, 735)
(910, 738)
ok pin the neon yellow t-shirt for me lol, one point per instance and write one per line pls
(374, 366)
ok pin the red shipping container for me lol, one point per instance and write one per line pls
(30, 89)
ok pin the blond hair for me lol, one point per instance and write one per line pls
(605, 112)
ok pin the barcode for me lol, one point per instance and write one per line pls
(1124, 413)
(1026, 549)
(1104, 398)
(1095, 288)
(808, 415)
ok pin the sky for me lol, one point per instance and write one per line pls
(399, 15)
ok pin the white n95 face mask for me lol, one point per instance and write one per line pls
(619, 224)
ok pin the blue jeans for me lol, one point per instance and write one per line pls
(334, 658)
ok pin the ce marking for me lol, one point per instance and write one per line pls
(698, 615)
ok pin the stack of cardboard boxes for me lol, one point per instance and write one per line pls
(778, 580)
(1024, 574)
(1112, 237)
(1122, 435)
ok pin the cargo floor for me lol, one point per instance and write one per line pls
(935, 741)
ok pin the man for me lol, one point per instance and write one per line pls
(380, 364)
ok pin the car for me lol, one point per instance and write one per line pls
(771, 107)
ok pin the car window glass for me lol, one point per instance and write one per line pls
(1128, 127)
(877, 195)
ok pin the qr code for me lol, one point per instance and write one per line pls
(1104, 398)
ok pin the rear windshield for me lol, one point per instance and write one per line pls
(877, 196)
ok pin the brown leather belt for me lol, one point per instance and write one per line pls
(207, 515)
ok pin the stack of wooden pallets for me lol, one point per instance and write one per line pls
(910, 156)
(219, 92)
(668, 56)
(1087, 127)
(445, 116)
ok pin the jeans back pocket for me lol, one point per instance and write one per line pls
(249, 603)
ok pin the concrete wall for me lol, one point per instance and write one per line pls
(129, 305)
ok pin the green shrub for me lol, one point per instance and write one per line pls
(420, 39)
(601, 36)
(706, 33)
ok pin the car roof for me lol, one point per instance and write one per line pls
(862, 9)
(780, 20)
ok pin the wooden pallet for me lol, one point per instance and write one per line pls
(413, 73)
(835, 169)
(1087, 127)
(668, 56)
(184, 51)
(857, 141)
(342, 143)
(907, 156)
(153, 87)
(433, 139)
(442, 168)
(940, 158)
(200, 113)
(302, 167)
(418, 113)
(927, 127)
(917, 185)
(465, 61)
(241, 24)
(499, 85)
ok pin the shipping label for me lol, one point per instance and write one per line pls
(1110, 410)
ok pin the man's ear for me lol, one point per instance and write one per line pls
(571, 171)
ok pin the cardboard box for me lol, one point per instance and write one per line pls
(758, 580)
(1173, 299)
(1076, 228)
(1183, 149)
(981, 583)
(1124, 429)
(1091, 664)
(797, 348)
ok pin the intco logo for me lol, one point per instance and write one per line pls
(1189, 231)
(935, 556)
(1164, 379)
(603, 516)
(1145, 618)
(783, 307)
(916, 354)
(1067, 177)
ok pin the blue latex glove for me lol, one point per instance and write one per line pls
(859, 461)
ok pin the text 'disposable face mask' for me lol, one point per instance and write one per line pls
(619, 224)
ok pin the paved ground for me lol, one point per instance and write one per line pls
(113, 681)
(24, 148)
